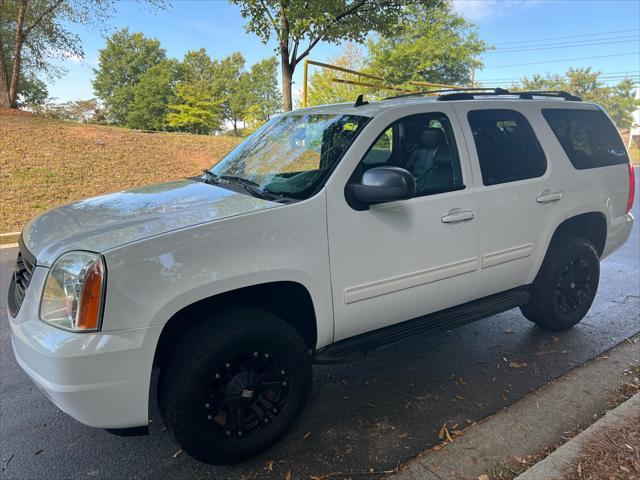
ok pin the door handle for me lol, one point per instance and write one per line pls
(454, 217)
(548, 197)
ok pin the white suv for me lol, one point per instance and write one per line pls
(329, 231)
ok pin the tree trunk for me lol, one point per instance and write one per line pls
(4, 80)
(17, 56)
(287, 75)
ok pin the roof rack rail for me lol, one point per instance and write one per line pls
(430, 92)
(524, 95)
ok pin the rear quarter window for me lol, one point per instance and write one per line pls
(588, 137)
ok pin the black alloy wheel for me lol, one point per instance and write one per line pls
(245, 395)
(234, 384)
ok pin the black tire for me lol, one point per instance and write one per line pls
(565, 286)
(241, 360)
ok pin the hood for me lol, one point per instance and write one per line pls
(101, 223)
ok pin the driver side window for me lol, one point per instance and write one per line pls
(424, 145)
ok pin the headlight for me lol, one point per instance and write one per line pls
(73, 292)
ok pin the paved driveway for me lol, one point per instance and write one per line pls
(363, 417)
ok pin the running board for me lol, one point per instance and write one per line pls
(444, 320)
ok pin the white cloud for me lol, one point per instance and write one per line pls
(479, 10)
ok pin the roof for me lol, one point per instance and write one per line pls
(374, 108)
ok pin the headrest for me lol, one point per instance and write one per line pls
(432, 137)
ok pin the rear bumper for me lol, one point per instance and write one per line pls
(100, 379)
(618, 232)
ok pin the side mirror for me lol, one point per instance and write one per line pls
(383, 184)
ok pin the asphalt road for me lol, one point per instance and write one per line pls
(363, 417)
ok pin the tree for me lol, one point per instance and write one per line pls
(321, 88)
(429, 45)
(123, 61)
(618, 100)
(196, 110)
(299, 25)
(34, 31)
(84, 111)
(264, 96)
(31, 91)
(152, 95)
(231, 85)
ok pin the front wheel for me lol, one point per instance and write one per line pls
(234, 384)
(566, 285)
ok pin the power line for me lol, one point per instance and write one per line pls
(562, 60)
(633, 73)
(569, 36)
(569, 45)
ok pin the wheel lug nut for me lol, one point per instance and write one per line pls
(209, 417)
(227, 433)
(275, 410)
(282, 372)
(227, 365)
(217, 375)
(239, 434)
(266, 420)
(255, 354)
(284, 383)
(266, 355)
(207, 405)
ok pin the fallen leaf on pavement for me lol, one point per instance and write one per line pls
(517, 365)
(483, 477)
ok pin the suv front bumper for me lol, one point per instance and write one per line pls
(101, 379)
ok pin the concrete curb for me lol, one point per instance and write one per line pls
(561, 462)
(9, 238)
(535, 422)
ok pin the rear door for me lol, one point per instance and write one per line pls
(519, 196)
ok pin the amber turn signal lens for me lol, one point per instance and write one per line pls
(91, 298)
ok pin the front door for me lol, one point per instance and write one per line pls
(399, 260)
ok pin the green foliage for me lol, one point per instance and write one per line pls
(264, 96)
(429, 44)
(321, 88)
(34, 33)
(32, 91)
(618, 100)
(83, 111)
(123, 61)
(152, 95)
(299, 25)
(197, 110)
(231, 83)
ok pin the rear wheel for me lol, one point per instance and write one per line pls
(234, 384)
(566, 285)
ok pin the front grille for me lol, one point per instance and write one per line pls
(25, 264)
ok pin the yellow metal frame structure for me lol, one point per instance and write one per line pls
(383, 85)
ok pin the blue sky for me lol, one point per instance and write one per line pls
(563, 31)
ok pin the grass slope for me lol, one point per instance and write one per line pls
(45, 162)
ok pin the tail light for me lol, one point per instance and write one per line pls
(632, 188)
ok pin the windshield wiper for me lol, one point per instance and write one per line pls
(249, 186)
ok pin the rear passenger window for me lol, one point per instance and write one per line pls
(588, 137)
(508, 150)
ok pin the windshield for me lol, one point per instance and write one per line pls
(291, 155)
